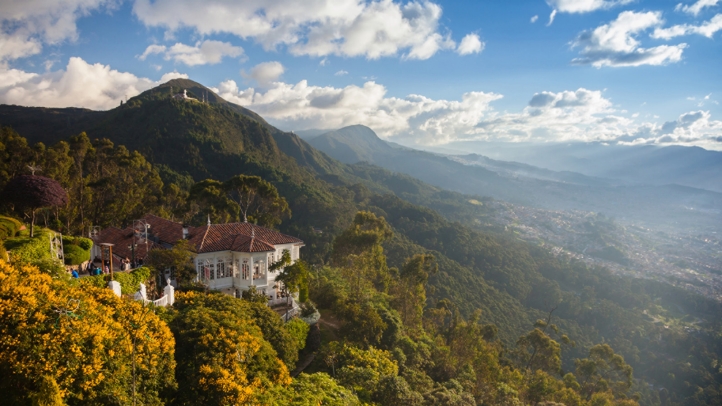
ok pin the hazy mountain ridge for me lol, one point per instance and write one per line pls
(636, 164)
(668, 205)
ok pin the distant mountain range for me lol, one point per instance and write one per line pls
(638, 164)
(663, 204)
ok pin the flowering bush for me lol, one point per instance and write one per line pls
(80, 344)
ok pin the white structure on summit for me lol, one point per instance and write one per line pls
(183, 96)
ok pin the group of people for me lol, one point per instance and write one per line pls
(126, 264)
(92, 269)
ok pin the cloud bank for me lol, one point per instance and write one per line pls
(571, 115)
(207, 52)
(26, 26)
(697, 7)
(93, 86)
(616, 44)
(349, 28)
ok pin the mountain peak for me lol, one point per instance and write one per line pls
(355, 143)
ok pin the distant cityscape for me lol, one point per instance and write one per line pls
(690, 261)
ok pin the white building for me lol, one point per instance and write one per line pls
(228, 257)
(233, 257)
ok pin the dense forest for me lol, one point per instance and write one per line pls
(423, 305)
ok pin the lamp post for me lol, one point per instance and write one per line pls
(107, 249)
(142, 225)
(132, 253)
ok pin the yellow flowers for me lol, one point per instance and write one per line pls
(78, 340)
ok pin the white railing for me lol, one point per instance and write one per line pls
(163, 301)
(295, 311)
(166, 300)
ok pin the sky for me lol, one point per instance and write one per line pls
(420, 73)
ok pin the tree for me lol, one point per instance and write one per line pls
(178, 259)
(359, 253)
(33, 192)
(257, 200)
(223, 355)
(410, 291)
(602, 371)
(208, 197)
(294, 277)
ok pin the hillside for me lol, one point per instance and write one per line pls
(513, 283)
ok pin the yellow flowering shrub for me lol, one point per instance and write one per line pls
(87, 345)
(223, 358)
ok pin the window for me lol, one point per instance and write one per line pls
(236, 269)
(245, 270)
(206, 269)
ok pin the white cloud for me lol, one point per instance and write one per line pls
(302, 106)
(208, 52)
(93, 86)
(152, 50)
(371, 29)
(27, 25)
(265, 73)
(534, 18)
(584, 6)
(579, 115)
(708, 29)
(551, 17)
(470, 44)
(341, 73)
(615, 44)
(697, 7)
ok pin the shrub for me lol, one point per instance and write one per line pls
(298, 330)
(27, 250)
(9, 227)
(82, 242)
(130, 282)
(75, 255)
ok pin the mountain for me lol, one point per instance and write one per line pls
(636, 164)
(356, 143)
(667, 206)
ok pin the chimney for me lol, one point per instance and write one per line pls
(185, 231)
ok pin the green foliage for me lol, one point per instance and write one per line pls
(130, 281)
(256, 200)
(179, 259)
(27, 250)
(604, 371)
(9, 227)
(82, 242)
(298, 330)
(273, 329)
(75, 255)
(310, 390)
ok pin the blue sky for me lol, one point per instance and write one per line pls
(619, 71)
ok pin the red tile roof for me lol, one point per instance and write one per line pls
(121, 239)
(165, 230)
(239, 237)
